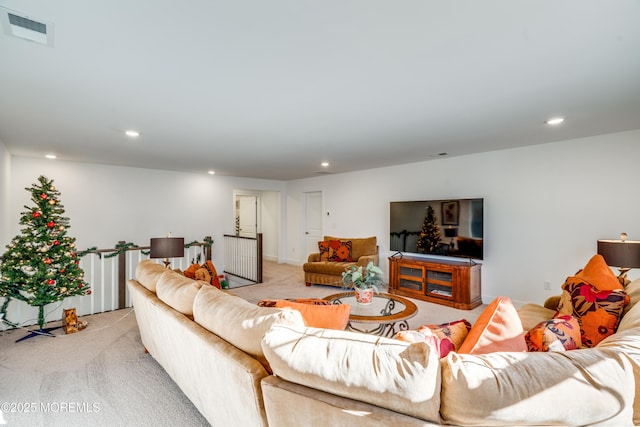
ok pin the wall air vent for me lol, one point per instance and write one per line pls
(25, 27)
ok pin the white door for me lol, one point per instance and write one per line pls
(313, 221)
(247, 215)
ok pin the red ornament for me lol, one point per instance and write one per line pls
(51, 282)
(80, 285)
(56, 242)
(36, 214)
(48, 261)
(51, 224)
(44, 196)
(89, 292)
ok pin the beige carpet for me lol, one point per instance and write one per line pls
(102, 377)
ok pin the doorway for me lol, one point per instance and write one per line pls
(312, 222)
(246, 215)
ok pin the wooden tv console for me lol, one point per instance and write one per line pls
(452, 283)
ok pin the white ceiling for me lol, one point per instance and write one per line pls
(271, 88)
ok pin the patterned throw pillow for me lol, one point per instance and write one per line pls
(442, 346)
(558, 334)
(455, 332)
(335, 250)
(598, 311)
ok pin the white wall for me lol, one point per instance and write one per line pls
(5, 171)
(545, 206)
(106, 204)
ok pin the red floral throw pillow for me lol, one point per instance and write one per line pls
(598, 311)
(442, 346)
(558, 334)
(455, 331)
(335, 250)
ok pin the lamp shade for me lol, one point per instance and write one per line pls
(451, 232)
(167, 247)
(620, 254)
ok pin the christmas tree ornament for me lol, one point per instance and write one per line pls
(29, 268)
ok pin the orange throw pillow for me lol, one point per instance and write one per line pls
(215, 281)
(598, 273)
(190, 272)
(334, 316)
(497, 329)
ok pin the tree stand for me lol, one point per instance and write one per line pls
(42, 331)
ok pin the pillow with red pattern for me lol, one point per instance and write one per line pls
(598, 311)
(443, 346)
(455, 331)
(561, 333)
(335, 250)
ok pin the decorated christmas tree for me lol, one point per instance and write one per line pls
(430, 234)
(40, 265)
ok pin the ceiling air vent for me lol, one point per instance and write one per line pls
(22, 26)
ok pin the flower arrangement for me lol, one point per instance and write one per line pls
(354, 277)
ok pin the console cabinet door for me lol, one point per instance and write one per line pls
(452, 283)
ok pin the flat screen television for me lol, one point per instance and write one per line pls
(452, 227)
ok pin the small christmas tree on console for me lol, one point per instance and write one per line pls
(40, 265)
(430, 234)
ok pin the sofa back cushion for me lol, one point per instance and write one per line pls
(359, 246)
(388, 373)
(148, 272)
(178, 291)
(237, 321)
(582, 387)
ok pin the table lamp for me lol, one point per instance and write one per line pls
(623, 253)
(167, 247)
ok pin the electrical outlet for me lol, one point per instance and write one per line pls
(547, 285)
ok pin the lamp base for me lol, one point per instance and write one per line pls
(166, 262)
(622, 278)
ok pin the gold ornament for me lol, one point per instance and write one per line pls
(52, 202)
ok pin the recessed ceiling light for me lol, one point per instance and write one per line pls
(324, 164)
(555, 121)
(132, 133)
(211, 172)
(51, 156)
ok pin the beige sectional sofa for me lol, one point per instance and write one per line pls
(340, 378)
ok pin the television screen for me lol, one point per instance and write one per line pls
(438, 227)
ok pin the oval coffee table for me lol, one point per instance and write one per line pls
(387, 312)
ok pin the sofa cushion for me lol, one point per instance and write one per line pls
(178, 291)
(597, 311)
(238, 321)
(633, 291)
(331, 316)
(498, 328)
(331, 268)
(388, 373)
(532, 314)
(585, 387)
(148, 272)
(558, 334)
